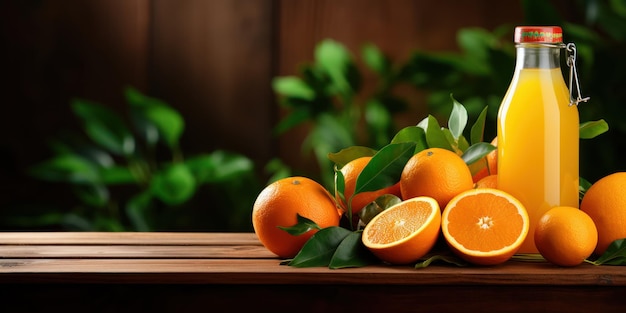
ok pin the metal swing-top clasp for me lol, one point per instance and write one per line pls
(573, 76)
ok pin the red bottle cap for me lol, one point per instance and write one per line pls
(538, 34)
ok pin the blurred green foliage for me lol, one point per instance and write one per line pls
(138, 179)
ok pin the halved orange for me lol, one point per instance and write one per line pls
(404, 232)
(484, 226)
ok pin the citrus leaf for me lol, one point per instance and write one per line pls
(591, 129)
(447, 258)
(435, 136)
(583, 186)
(302, 226)
(385, 167)
(615, 254)
(380, 204)
(292, 86)
(104, 127)
(412, 134)
(352, 253)
(346, 155)
(320, 248)
(478, 129)
(476, 152)
(458, 119)
(340, 186)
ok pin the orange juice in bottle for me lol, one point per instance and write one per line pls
(537, 129)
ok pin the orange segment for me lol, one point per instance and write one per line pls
(404, 232)
(485, 226)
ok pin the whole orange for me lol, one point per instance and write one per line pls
(350, 173)
(490, 181)
(605, 202)
(437, 173)
(280, 202)
(491, 165)
(565, 236)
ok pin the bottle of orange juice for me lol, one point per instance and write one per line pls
(538, 129)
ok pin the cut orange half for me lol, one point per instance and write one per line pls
(404, 232)
(484, 226)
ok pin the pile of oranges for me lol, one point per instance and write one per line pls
(440, 198)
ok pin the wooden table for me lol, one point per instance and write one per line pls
(217, 272)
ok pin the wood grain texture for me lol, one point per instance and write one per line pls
(127, 238)
(238, 258)
(184, 272)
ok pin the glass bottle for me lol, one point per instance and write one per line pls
(537, 129)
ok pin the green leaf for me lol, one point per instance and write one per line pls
(380, 204)
(435, 136)
(294, 118)
(320, 248)
(340, 187)
(150, 113)
(67, 168)
(379, 121)
(117, 175)
(447, 258)
(591, 129)
(615, 254)
(292, 86)
(174, 185)
(478, 129)
(335, 59)
(94, 195)
(476, 152)
(219, 166)
(458, 119)
(346, 155)
(385, 167)
(412, 134)
(375, 59)
(104, 127)
(137, 208)
(583, 186)
(302, 226)
(352, 253)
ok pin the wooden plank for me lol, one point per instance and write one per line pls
(126, 238)
(136, 251)
(268, 271)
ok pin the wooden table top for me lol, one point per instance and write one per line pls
(239, 258)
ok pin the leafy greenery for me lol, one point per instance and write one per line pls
(338, 247)
(615, 254)
(138, 178)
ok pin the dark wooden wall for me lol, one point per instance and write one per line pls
(212, 60)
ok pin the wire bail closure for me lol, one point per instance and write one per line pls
(573, 76)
